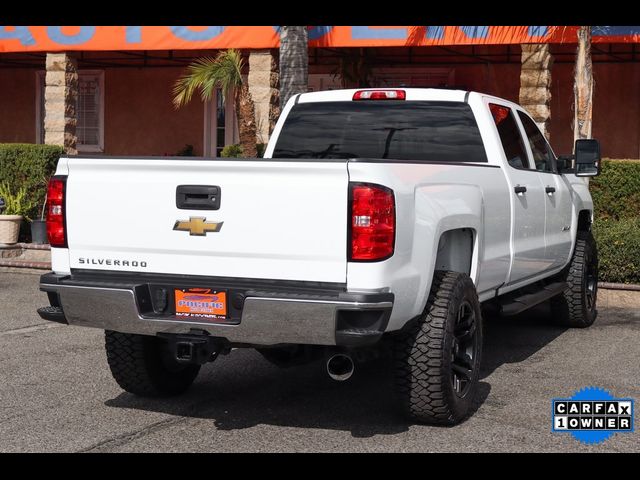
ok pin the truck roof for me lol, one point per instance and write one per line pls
(433, 94)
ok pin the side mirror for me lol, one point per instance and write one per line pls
(587, 154)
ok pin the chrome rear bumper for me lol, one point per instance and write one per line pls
(265, 317)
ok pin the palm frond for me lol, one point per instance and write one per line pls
(206, 74)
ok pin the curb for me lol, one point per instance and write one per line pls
(619, 286)
(34, 246)
(26, 255)
(25, 264)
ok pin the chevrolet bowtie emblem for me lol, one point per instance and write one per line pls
(197, 226)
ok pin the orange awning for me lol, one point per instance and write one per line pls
(68, 38)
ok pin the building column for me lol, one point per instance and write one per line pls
(583, 86)
(535, 84)
(263, 87)
(60, 100)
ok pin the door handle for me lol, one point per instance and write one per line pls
(550, 190)
(198, 197)
(520, 189)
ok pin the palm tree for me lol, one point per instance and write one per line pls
(354, 68)
(223, 72)
(583, 85)
(294, 62)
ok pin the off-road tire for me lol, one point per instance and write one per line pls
(424, 354)
(576, 306)
(142, 365)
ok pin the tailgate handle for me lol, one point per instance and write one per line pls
(198, 197)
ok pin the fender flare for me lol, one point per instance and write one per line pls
(440, 208)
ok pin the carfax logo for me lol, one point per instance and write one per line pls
(592, 415)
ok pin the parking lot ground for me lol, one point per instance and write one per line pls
(57, 394)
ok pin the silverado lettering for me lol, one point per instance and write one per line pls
(109, 262)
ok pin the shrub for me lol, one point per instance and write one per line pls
(29, 166)
(616, 191)
(235, 151)
(187, 151)
(231, 151)
(616, 198)
(618, 249)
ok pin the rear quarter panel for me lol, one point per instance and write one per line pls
(430, 200)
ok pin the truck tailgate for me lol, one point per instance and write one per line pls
(280, 219)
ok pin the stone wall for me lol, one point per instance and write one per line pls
(263, 87)
(535, 84)
(60, 100)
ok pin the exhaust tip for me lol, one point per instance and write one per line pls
(340, 367)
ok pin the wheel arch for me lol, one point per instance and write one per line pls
(452, 216)
(584, 220)
(456, 249)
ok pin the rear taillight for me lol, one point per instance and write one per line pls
(373, 222)
(380, 95)
(55, 212)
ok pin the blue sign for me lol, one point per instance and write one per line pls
(592, 415)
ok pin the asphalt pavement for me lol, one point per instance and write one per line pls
(57, 394)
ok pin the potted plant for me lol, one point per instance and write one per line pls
(14, 209)
(39, 226)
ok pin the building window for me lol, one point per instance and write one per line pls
(220, 125)
(89, 110)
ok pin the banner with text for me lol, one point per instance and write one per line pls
(68, 38)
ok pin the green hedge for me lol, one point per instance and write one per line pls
(616, 198)
(618, 249)
(616, 191)
(30, 166)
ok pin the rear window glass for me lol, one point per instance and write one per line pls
(395, 130)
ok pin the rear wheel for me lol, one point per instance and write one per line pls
(576, 306)
(437, 357)
(143, 365)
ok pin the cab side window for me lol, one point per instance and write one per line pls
(542, 154)
(509, 136)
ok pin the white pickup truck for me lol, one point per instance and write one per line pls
(378, 217)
